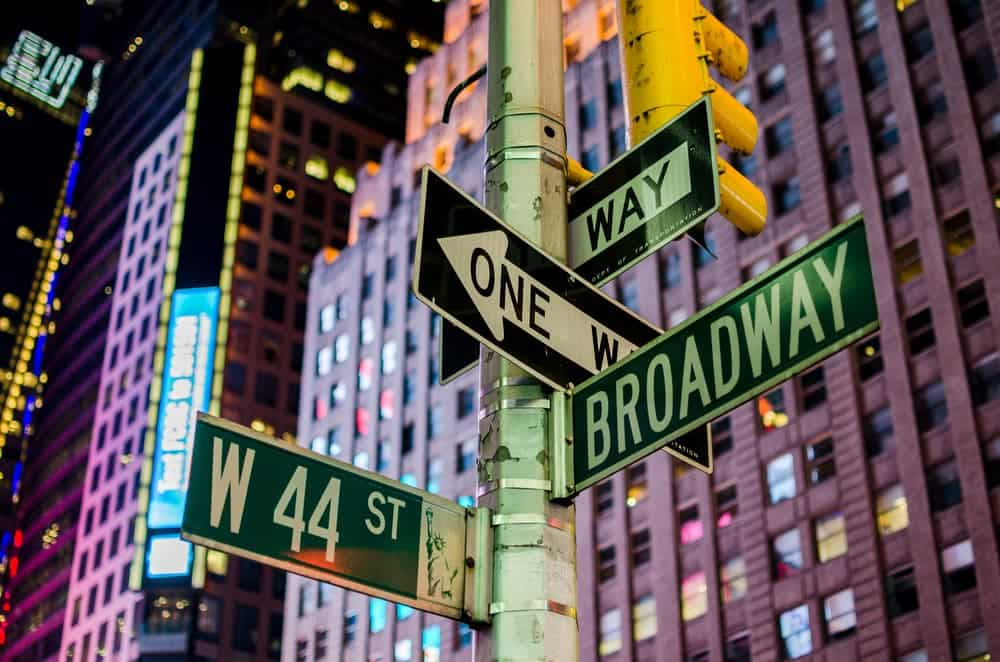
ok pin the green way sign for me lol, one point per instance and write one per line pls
(801, 311)
(276, 503)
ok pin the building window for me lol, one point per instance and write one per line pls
(958, 566)
(839, 164)
(671, 270)
(972, 303)
(823, 49)
(434, 422)
(931, 406)
(885, 133)
(869, 353)
(722, 436)
(606, 563)
(839, 616)
(980, 70)
(958, 234)
(820, 464)
(771, 83)
(389, 361)
(991, 459)
(611, 632)
(873, 72)
(906, 260)
(637, 488)
(738, 649)
(796, 638)
(733, 577)
(765, 32)
(786, 554)
(831, 537)
(786, 195)
(972, 647)
(778, 137)
(588, 115)
(690, 524)
(781, 478)
(771, 408)
(813, 388)
(920, 331)
(466, 401)
(644, 618)
(326, 319)
(605, 497)
(465, 455)
(726, 506)
(891, 510)
(901, 592)
(641, 548)
(367, 330)
(897, 196)
(984, 379)
(245, 628)
(694, 596)
(464, 638)
(830, 103)
(430, 641)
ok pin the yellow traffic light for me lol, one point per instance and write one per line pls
(666, 49)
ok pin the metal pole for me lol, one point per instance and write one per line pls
(533, 607)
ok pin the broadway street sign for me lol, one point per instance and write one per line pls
(801, 311)
(276, 503)
(651, 195)
(497, 286)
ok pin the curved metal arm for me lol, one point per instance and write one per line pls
(458, 90)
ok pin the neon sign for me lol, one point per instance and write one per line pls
(41, 69)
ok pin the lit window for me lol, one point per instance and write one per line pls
(376, 614)
(726, 506)
(958, 234)
(781, 478)
(386, 405)
(611, 633)
(891, 509)
(907, 262)
(637, 486)
(361, 457)
(327, 317)
(733, 577)
(831, 538)
(342, 348)
(972, 647)
(786, 554)
(403, 650)
(838, 613)
(365, 373)
(367, 330)
(337, 91)
(361, 424)
(690, 525)
(430, 641)
(304, 76)
(338, 392)
(318, 445)
(771, 407)
(317, 168)
(324, 361)
(958, 565)
(795, 635)
(389, 358)
(694, 596)
(337, 60)
(344, 180)
(644, 618)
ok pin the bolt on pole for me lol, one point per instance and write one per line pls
(533, 605)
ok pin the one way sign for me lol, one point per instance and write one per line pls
(497, 286)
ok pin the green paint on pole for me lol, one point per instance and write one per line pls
(287, 507)
(801, 311)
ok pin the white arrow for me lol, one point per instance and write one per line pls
(502, 291)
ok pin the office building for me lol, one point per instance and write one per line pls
(182, 78)
(853, 511)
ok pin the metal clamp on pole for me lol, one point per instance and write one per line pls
(478, 566)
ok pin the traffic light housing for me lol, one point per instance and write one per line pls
(667, 46)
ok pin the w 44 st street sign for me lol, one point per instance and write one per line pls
(274, 502)
(801, 311)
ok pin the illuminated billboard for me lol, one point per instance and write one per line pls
(186, 390)
(40, 68)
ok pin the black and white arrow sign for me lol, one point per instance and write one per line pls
(497, 286)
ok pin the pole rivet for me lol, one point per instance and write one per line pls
(470, 562)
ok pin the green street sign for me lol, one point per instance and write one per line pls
(287, 507)
(799, 312)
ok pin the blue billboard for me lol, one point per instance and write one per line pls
(186, 390)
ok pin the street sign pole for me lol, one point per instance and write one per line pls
(534, 599)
